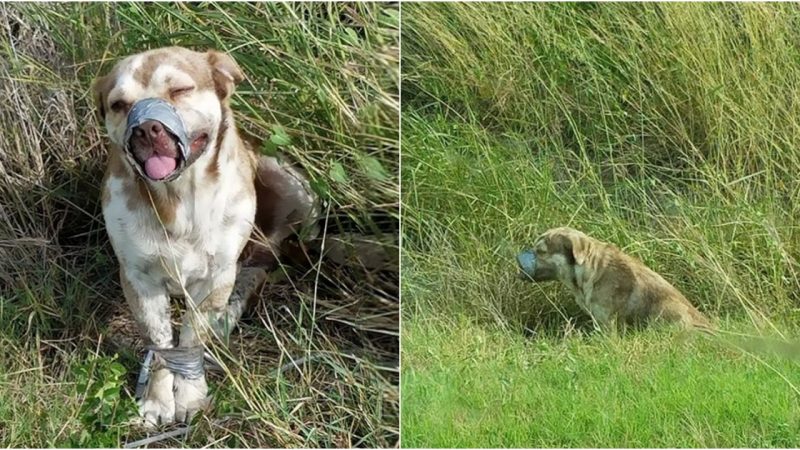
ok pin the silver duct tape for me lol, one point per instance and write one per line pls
(185, 361)
(527, 261)
(161, 111)
(144, 375)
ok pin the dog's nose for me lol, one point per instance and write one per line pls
(152, 128)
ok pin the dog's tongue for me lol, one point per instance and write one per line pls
(158, 167)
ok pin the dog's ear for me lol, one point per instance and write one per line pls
(225, 71)
(576, 244)
(99, 89)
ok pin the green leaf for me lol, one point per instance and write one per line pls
(269, 148)
(117, 369)
(373, 168)
(279, 136)
(338, 174)
(390, 17)
(351, 36)
(321, 188)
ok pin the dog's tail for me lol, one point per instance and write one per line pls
(705, 328)
(699, 322)
(754, 345)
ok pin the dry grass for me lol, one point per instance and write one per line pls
(327, 74)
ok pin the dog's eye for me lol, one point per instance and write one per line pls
(177, 92)
(119, 105)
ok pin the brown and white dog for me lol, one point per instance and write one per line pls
(179, 222)
(614, 288)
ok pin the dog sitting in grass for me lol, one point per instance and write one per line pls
(182, 194)
(614, 288)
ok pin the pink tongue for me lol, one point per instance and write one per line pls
(158, 167)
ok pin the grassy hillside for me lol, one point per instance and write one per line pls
(326, 77)
(670, 130)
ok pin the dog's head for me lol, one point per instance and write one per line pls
(164, 108)
(554, 255)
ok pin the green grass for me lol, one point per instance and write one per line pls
(670, 130)
(464, 385)
(326, 76)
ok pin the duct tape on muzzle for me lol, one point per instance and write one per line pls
(527, 262)
(161, 111)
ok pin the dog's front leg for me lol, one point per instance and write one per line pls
(207, 307)
(150, 307)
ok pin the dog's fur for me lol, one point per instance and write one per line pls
(184, 237)
(614, 288)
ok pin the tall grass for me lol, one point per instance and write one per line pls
(671, 130)
(324, 74)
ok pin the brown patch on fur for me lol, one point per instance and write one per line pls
(225, 73)
(114, 168)
(266, 200)
(139, 197)
(213, 168)
(257, 253)
(563, 245)
(144, 73)
(116, 165)
(187, 61)
(100, 89)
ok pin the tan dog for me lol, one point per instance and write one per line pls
(179, 207)
(611, 286)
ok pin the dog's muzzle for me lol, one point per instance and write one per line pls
(156, 109)
(527, 263)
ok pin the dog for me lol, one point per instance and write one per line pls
(614, 288)
(182, 194)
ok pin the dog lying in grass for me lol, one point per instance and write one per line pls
(614, 288)
(181, 196)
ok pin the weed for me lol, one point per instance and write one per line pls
(103, 410)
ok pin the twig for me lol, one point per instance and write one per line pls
(159, 437)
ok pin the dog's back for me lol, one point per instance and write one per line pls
(651, 297)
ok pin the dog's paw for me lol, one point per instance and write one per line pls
(190, 397)
(158, 403)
